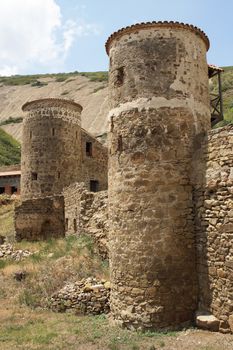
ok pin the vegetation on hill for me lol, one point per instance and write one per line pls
(34, 80)
(9, 149)
(11, 120)
(227, 89)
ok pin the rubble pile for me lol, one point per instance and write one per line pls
(85, 297)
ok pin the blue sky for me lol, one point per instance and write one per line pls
(214, 17)
(39, 36)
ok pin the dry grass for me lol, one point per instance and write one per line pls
(53, 263)
(24, 329)
(7, 205)
(26, 324)
(7, 220)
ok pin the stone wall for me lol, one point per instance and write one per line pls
(86, 212)
(158, 88)
(86, 297)
(51, 154)
(94, 162)
(40, 218)
(214, 226)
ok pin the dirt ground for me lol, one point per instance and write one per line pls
(24, 328)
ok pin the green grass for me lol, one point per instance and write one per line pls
(54, 262)
(35, 332)
(15, 80)
(44, 330)
(38, 83)
(96, 76)
(227, 88)
(12, 120)
(9, 149)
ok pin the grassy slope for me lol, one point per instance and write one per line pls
(60, 77)
(9, 149)
(227, 88)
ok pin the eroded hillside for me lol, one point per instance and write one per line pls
(89, 91)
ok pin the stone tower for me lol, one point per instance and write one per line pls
(51, 149)
(160, 110)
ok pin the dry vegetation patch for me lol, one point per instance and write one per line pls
(26, 323)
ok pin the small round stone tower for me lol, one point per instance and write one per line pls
(51, 147)
(159, 98)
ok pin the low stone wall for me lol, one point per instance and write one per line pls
(40, 218)
(214, 228)
(86, 212)
(84, 297)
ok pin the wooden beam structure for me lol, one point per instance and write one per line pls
(216, 101)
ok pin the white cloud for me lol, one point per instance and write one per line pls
(32, 34)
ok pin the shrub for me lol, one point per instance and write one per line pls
(38, 83)
(9, 149)
(12, 120)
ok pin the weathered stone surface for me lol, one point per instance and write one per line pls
(40, 218)
(208, 322)
(158, 88)
(51, 155)
(87, 212)
(56, 152)
(214, 226)
(88, 296)
(230, 321)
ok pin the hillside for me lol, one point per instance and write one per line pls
(9, 149)
(88, 89)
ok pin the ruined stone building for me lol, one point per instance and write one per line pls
(170, 211)
(56, 153)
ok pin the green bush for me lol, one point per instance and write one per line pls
(12, 120)
(9, 149)
(96, 76)
(38, 83)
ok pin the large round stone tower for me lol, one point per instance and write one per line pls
(51, 149)
(159, 102)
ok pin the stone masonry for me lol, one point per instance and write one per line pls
(95, 162)
(87, 213)
(40, 218)
(167, 217)
(159, 99)
(214, 227)
(56, 153)
(51, 157)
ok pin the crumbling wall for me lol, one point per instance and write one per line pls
(214, 227)
(86, 213)
(40, 218)
(94, 162)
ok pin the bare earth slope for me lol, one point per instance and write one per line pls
(91, 95)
